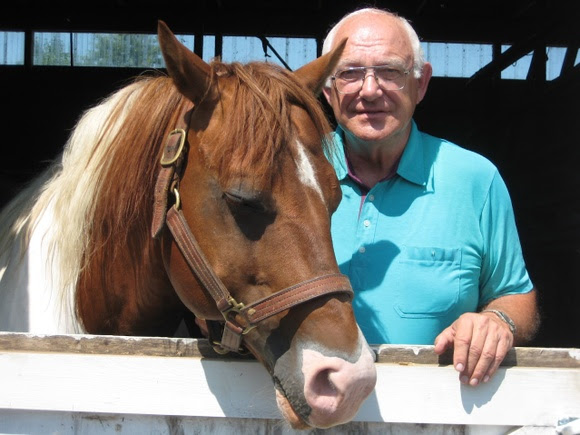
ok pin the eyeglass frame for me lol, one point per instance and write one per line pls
(366, 71)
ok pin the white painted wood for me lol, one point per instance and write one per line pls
(136, 385)
(242, 389)
(62, 392)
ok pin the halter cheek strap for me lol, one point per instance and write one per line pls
(171, 164)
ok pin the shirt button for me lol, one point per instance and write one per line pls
(371, 197)
(362, 249)
(367, 223)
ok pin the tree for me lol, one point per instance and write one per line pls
(118, 50)
(51, 49)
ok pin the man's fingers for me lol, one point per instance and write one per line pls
(481, 350)
(462, 345)
(489, 343)
(503, 347)
(483, 362)
(444, 340)
(480, 344)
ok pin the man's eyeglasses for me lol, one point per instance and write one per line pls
(389, 78)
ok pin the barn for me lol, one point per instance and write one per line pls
(506, 85)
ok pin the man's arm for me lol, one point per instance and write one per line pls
(482, 340)
(523, 311)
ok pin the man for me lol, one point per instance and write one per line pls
(425, 229)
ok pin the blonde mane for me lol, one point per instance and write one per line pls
(108, 142)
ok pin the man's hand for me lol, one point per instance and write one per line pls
(480, 341)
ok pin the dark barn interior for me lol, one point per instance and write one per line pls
(526, 127)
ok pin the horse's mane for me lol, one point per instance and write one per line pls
(110, 153)
(114, 150)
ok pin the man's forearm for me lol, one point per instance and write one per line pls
(522, 309)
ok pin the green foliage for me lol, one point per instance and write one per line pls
(120, 50)
(51, 49)
(98, 49)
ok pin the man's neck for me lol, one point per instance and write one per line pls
(372, 162)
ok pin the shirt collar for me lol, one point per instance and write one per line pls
(412, 166)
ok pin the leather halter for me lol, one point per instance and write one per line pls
(239, 319)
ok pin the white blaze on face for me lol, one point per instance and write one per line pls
(306, 172)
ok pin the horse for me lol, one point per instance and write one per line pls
(203, 190)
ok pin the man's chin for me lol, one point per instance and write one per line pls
(367, 129)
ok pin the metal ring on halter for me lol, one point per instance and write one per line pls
(238, 308)
(177, 198)
(168, 160)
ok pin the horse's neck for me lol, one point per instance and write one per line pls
(134, 298)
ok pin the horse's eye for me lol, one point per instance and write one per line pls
(238, 201)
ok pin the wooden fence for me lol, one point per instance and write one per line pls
(83, 384)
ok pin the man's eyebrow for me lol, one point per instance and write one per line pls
(395, 62)
(348, 63)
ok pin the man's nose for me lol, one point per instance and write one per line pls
(370, 88)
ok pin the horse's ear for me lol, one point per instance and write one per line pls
(314, 74)
(190, 74)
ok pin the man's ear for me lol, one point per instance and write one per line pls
(327, 91)
(423, 81)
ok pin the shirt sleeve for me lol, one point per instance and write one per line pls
(503, 269)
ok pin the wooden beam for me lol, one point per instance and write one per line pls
(505, 59)
(569, 60)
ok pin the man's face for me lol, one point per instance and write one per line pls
(374, 113)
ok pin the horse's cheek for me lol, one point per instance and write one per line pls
(184, 282)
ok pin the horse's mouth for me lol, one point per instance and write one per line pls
(289, 414)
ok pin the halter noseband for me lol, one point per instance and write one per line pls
(239, 319)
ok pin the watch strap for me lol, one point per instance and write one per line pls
(505, 318)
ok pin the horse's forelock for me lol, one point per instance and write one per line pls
(262, 98)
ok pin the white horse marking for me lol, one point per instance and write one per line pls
(306, 172)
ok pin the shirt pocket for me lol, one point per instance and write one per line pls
(431, 281)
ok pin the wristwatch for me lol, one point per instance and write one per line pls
(505, 318)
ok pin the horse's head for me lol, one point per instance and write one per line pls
(257, 192)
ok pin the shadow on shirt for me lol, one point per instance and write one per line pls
(365, 276)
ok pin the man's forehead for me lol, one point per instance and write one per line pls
(371, 23)
(379, 53)
(375, 36)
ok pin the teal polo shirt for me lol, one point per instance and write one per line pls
(436, 240)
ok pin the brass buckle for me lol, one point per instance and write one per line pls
(237, 308)
(170, 161)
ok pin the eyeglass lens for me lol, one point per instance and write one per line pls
(351, 80)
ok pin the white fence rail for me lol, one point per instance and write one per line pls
(81, 384)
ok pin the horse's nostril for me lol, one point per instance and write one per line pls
(322, 384)
(334, 388)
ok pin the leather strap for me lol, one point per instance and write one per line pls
(295, 295)
(257, 311)
(171, 164)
